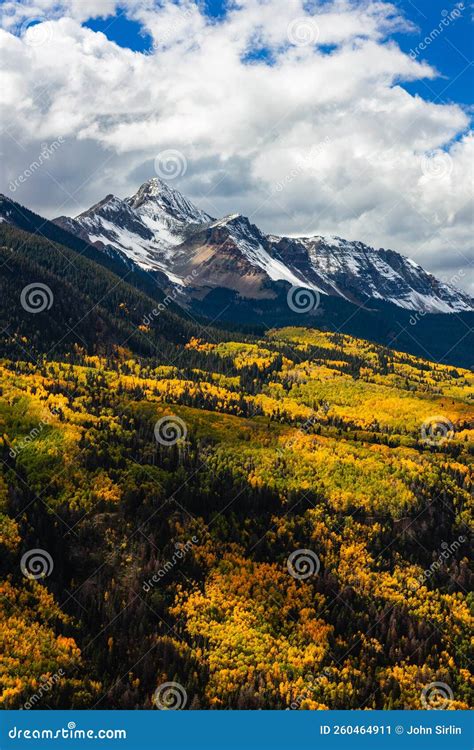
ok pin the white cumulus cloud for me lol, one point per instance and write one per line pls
(289, 112)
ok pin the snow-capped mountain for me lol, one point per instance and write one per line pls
(157, 201)
(356, 272)
(161, 230)
(145, 227)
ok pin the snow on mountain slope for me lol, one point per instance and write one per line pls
(145, 227)
(251, 243)
(359, 271)
(160, 229)
(155, 200)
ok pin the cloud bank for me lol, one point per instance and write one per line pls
(291, 113)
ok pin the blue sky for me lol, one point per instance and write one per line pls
(451, 53)
(352, 121)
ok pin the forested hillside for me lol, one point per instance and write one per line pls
(274, 523)
(34, 249)
(236, 374)
(93, 307)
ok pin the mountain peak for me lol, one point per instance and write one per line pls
(155, 195)
(161, 229)
(230, 219)
(111, 203)
(153, 187)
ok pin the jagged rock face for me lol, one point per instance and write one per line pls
(156, 199)
(144, 227)
(161, 230)
(358, 272)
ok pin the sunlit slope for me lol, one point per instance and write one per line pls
(301, 441)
